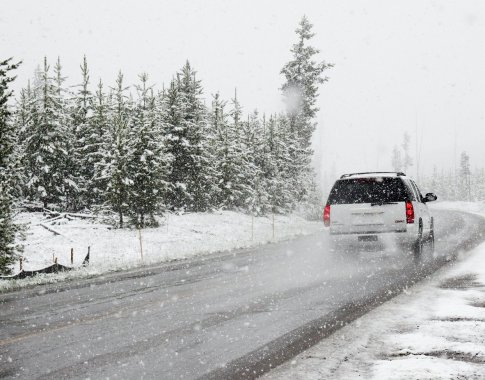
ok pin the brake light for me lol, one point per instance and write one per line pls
(409, 212)
(326, 215)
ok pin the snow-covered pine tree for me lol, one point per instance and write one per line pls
(396, 159)
(450, 186)
(303, 75)
(252, 138)
(478, 187)
(8, 166)
(242, 170)
(270, 168)
(465, 176)
(47, 143)
(222, 151)
(147, 164)
(86, 139)
(434, 183)
(229, 163)
(192, 178)
(116, 155)
(22, 111)
(284, 144)
(22, 120)
(278, 165)
(27, 125)
(407, 161)
(172, 115)
(202, 180)
(100, 142)
(298, 170)
(70, 196)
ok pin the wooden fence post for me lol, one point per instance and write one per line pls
(141, 243)
(273, 225)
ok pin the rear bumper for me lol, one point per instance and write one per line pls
(402, 238)
(405, 229)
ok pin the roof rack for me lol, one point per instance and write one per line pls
(399, 174)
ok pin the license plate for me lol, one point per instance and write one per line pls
(368, 238)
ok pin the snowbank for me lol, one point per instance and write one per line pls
(178, 237)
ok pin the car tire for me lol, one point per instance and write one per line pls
(418, 245)
(431, 237)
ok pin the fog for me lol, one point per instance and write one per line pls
(399, 66)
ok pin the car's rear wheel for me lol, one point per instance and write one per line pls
(418, 245)
(431, 237)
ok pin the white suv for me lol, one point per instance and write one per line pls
(369, 207)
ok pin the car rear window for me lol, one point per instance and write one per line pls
(368, 190)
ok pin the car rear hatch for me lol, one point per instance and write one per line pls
(368, 205)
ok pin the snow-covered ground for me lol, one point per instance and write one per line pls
(435, 330)
(178, 237)
(472, 207)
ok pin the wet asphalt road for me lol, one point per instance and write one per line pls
(232, 315)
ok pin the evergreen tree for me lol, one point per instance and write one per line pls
(465, 174)
(478, 188)
(147, 163)
(278, 167)
(47, 143)
(99, 143)
(303, 75)
(8, 166)
(270, 164)
(22, 120)
(285, 195)
(239, 169)
(229, 163)
(406, 160)
(202, 183)
(86, 139)
(396, 159)
(434, 180)
(23, 111)
(192, 178)
(177, 196)
(259, 202)
(116, 155)
(70, 167)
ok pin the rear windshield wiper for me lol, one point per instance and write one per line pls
(383, 203)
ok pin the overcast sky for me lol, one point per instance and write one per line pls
(398, 64)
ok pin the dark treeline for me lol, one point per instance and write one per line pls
(137, 151)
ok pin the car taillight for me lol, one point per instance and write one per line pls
(326, 216)
(409, 212)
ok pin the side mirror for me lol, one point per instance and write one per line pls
(430, 197)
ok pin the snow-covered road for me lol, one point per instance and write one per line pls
(221, 316)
